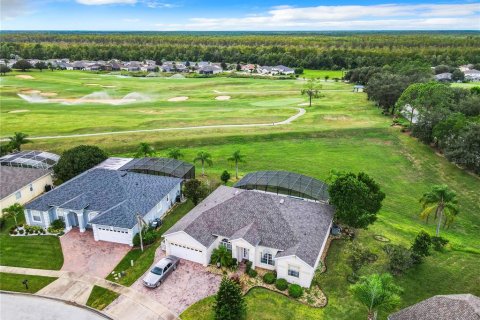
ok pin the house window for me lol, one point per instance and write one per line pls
(225, 243)
(294, 271)
(36, 217)
(267, 258)
(18, 195)
(31, 186)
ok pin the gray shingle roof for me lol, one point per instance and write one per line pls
(442, 307)
(296, 226)
(14, 178)
(117, 195)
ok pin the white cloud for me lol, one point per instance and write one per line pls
(349, 17)
(10, 9)
(102, 2)
(157, 4)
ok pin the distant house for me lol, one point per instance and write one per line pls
(79, 65)
(248, 67)
(133, 66)
(446, 76)
(212, 69)
(283, 70)
(472, 75)
(265, 70)
(442, 307)
(107, 201)
(20, 185)
(273, 232)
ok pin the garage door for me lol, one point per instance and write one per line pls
(187, 253)
(113, 235)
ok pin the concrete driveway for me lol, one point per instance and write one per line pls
(188, 284)
(82, 254)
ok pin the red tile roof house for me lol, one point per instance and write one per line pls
(274, 232)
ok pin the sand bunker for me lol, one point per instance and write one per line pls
(216, 91)
(96, 97)
(19, 111)
(48, 94)
(222, 98)
(178, 99)
(24, 76)
(31, 91)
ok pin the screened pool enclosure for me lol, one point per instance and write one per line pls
(161, 167)
(284, 182)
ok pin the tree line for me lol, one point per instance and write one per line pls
(308, 50)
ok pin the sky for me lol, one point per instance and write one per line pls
(240, 15)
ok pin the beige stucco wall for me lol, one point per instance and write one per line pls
(27, 195)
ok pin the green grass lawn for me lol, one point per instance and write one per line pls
(38, 252)
(143, 260)
(320, 74)
(100, 297)
(343, 131)
(14, 282)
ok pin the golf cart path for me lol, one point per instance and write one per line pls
(76, 288)
(300, 113)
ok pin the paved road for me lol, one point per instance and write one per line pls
(300, 113)
(29, 307)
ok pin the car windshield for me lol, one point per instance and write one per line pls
(157, 270)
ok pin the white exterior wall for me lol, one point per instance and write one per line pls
(38, 187)
(181, 238)
(306, 271)
(240, 243)
(258, 257)
(163, 206)
(113, 234)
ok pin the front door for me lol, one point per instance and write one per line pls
(243, 253)
(73, 219)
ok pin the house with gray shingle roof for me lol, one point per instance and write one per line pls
(274, 232)
(442, 307)
(107, 201)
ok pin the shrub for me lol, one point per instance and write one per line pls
(252, 273)
(15, 233)
(21, 231)
(234, 262)
(61, 233)
(281, 284)
(58, 224)
(2, 222)
(148, 236)
(249, 266)
(269, 278)
(400, 258)
(295, 291)
(439, 243)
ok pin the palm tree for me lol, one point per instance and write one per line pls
(13, 211)
(221, 255)
(376, 292)
(237, 158)
(442, 201)
(144, 149)
(18, 139)
(175, 153)
(312, 89)
(203, 157)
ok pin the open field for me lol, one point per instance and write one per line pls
(320, 74)
(342, 131)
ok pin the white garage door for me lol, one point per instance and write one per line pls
(115, 235)
(187, 253)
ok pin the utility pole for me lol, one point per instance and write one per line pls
(140, 226)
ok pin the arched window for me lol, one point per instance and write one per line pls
(226, 244)
(267, 258)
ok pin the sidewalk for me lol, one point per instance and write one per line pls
(74, 287)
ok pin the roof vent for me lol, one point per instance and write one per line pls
(124, 174)
(282, 201)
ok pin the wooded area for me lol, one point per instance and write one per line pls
(328, 50)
